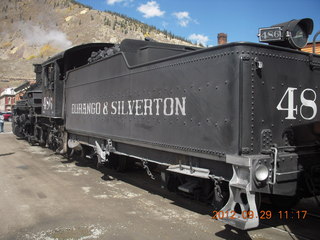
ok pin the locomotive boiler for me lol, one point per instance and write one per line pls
(224, 124)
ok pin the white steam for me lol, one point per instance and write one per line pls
(36, 36)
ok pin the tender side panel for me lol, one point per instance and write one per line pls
(281, 100)
(183, 103)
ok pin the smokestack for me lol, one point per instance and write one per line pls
(38, 70)
(222, 38)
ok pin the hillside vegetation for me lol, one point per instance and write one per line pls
(33, 30)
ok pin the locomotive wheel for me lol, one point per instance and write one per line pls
(17, 132)
(284, 202)
(42, 143)
(31, 141)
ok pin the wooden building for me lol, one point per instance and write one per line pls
(308, 47)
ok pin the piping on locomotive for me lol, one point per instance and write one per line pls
(224, 123)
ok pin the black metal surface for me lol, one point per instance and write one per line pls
(204, 79)
(214, 123)
(54, 71)
(263, 91)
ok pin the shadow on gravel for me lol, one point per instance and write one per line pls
(6, 154)
(233, 233)
(136, 176)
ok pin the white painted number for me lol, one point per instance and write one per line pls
(47, 103)
(271, 34)
(308, 103)
(292, 109)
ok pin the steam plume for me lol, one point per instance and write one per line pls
(35, 35)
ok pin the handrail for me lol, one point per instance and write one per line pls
(314, 42)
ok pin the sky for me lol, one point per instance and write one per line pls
(201, 20)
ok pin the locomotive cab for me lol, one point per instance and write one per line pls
(54, 71)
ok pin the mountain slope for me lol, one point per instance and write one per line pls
(32, 30)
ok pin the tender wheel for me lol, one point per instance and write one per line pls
(122, 164)
(172, 182)
(119, 162)
(112, 160)
(284, 202)
(152, 166)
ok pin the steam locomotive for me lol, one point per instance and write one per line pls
(225, 124)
